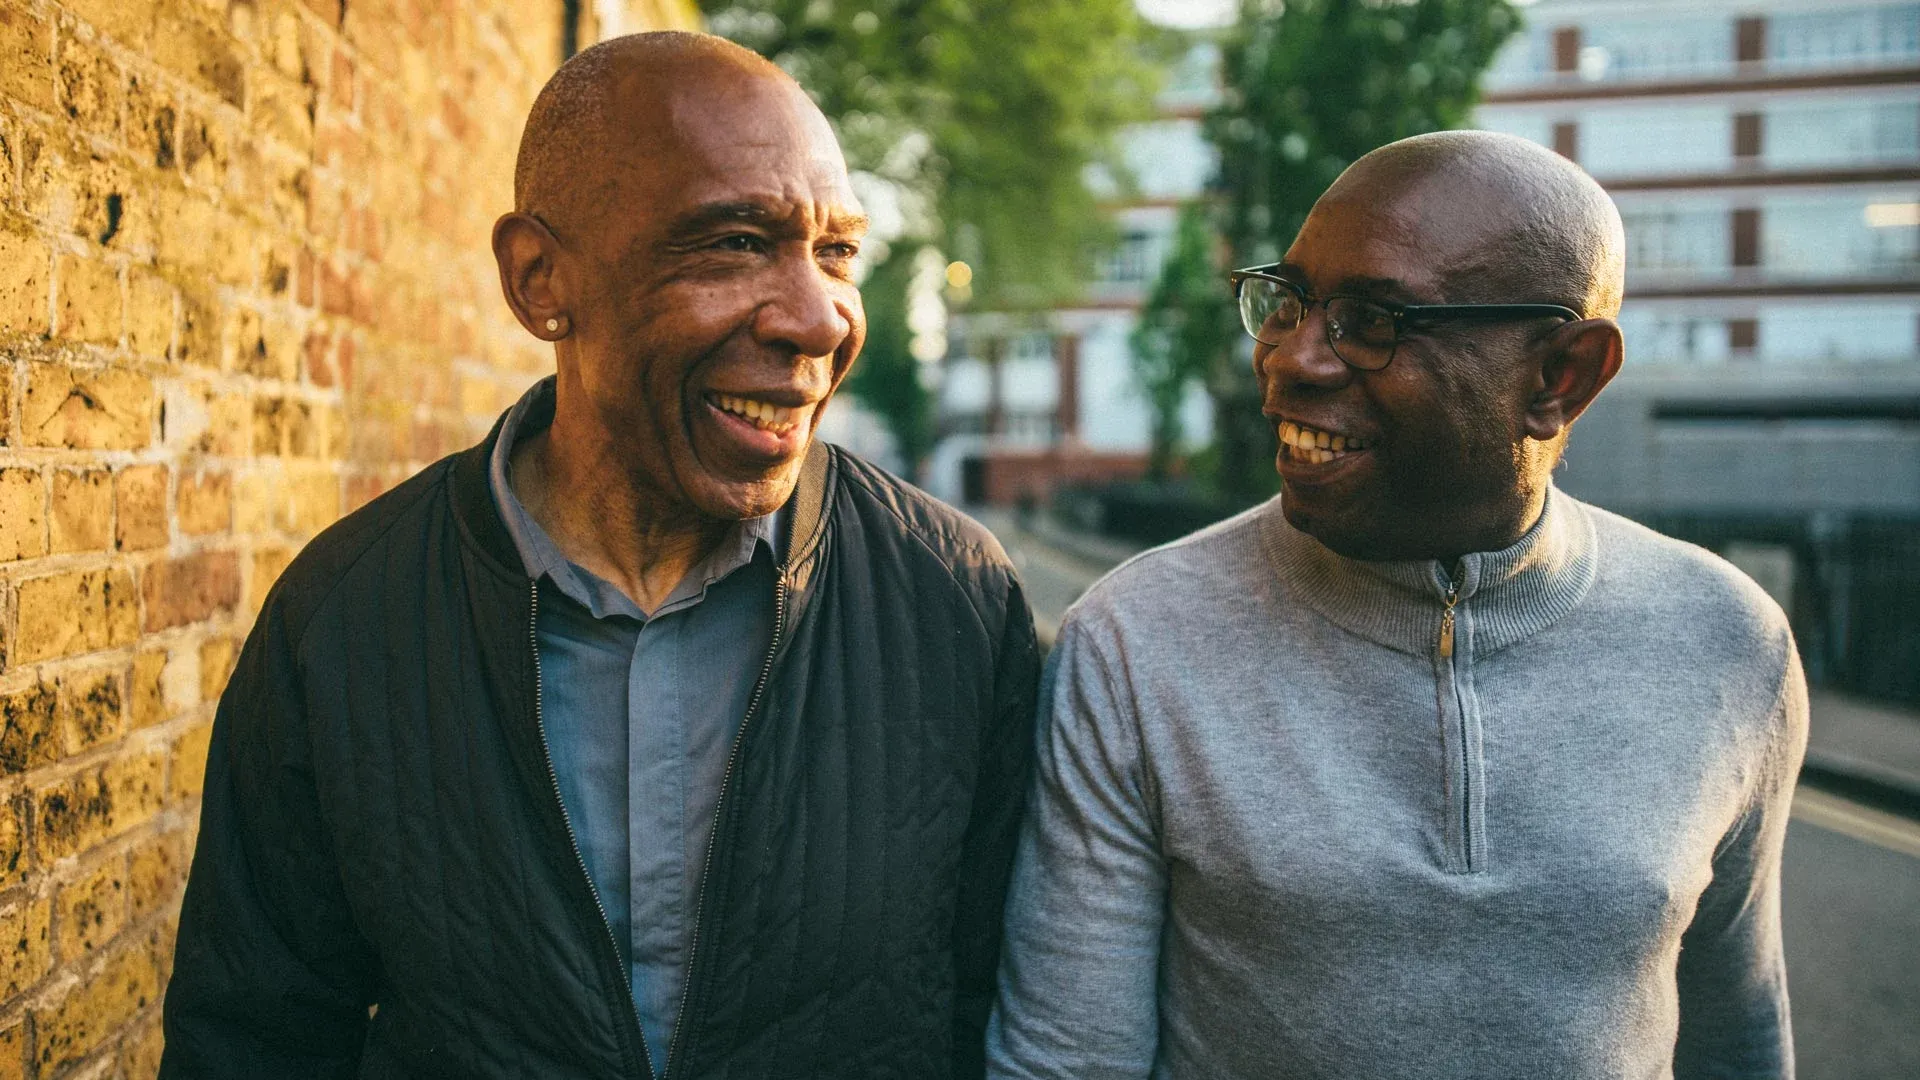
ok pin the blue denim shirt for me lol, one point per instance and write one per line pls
(640, 711)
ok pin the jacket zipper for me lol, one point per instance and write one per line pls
(1460, 707)
(634, 1034)
(726, 784)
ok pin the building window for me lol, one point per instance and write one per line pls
(1566, 50)
(1811, 134)
(1844, 235)
(1863, 37)
(1667, 241)
(1657, 334)
(1132, 261)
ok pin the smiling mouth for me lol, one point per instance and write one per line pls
(765, 415)
(1315, 447)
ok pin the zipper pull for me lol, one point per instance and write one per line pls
(1446, 622)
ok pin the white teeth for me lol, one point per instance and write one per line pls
(1316, 446)
(765, 415)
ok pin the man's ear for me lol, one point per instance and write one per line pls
(1577, 361)
(528, 255)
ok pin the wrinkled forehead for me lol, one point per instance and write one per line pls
(747, 136)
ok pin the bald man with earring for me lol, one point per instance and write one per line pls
(651, 737)
(1424, 769)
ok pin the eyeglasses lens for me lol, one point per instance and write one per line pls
(1268, 309)
(1363, 334)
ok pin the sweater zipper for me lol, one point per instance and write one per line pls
(713, 833)
(1460, 708)
(634, 1035)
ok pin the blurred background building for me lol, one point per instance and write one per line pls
(1766, 161)
(1032, 400)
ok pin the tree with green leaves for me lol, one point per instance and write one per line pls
(887, 377)
(1310, 86)
(1187, 331)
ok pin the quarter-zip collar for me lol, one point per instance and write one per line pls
(1514, 592)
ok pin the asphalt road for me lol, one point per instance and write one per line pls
(1850, 884)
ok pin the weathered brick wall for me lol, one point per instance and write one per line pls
(244, 286)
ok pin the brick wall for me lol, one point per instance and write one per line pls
(244, 286)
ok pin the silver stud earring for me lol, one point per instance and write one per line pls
(553, 326)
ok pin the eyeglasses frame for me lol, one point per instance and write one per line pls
(1405, 316)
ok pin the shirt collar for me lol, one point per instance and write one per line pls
(542, 558)
(1511, 593)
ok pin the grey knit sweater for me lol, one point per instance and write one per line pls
(1284, 828)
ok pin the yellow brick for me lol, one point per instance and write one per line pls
(313, 500)
(199, 331)
(13, 1052)
(76, 814)
(149, 688)
(255, 494)
(23, 514)
(217, 655)
(140, 507)
(13, 840)
(268, 562)
(75, 612)
(152, 124)
(91, 910)
(94, 1011)
(26, 947)
(90, 707)
(159, 866)
(202, 54)
(82, 514)
(140, 1052)
(205, 503)
(26, 57)
(109, 409)
(149, 316)
(190, 761)
(89, 301)
(89, 88)
(29, 729)
(24, 264)
(128, 21)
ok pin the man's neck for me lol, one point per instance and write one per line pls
(604, 522)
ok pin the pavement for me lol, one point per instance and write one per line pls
(1850, 884)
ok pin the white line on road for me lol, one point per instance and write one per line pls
(1876, 827)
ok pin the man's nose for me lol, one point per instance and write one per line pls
(1303, 360)
(809, 313)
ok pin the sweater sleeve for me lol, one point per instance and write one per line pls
(1732, 973)
(1078, 977)
(270, 976)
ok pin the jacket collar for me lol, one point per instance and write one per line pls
(1504, 596)
(479, 514)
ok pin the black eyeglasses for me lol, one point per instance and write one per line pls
(1363, 333)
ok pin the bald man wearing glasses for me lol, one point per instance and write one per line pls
(1424, 768)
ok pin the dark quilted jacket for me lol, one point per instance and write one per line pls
(381, 833)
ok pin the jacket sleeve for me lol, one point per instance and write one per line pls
(1078, 998)
(1732, 974)
(1006, 758)
(270, 976)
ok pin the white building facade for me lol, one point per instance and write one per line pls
(1032, 400)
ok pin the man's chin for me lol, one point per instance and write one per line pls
(739, 499)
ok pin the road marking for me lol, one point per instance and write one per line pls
(1876, 827)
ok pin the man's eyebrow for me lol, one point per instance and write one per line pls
(843, 224)
(717, 214)
(709, 215)
(1383, 288)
